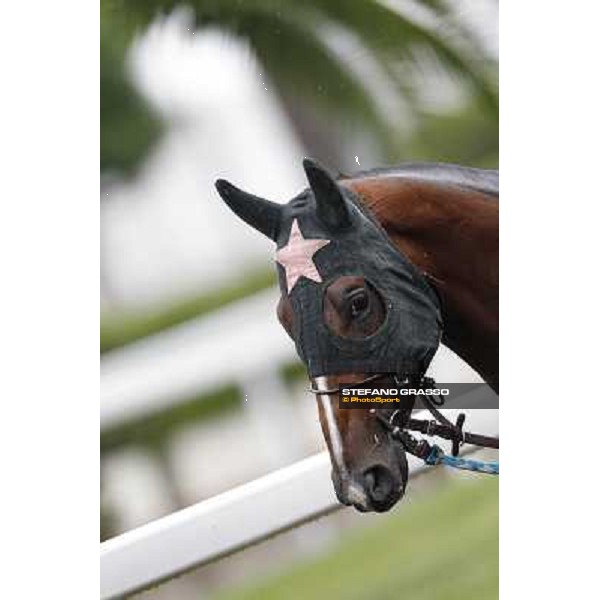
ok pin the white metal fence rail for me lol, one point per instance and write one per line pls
(243, 340)
(230, 521)
(157, 372)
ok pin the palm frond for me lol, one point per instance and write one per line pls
(394, 36)
(288, 38)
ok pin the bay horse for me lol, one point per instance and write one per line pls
(376, 269)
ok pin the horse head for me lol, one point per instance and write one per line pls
(355, 307)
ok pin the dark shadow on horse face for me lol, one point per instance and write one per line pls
(369, 468)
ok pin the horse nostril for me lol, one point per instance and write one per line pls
(380, 484)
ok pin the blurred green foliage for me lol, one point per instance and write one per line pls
(154, 430)
(124, 327)
(291, 41)
(128, 126)
(466, 136)
(109, 522)
(295, 371)
(444, 547)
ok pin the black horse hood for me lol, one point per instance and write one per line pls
(325, 233)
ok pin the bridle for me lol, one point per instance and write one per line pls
(400, 423)
(337, 390)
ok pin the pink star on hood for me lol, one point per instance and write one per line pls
(296, 257)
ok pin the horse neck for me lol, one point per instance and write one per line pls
(451, 235)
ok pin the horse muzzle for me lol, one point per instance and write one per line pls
(376, 487)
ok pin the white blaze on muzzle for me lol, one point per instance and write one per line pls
(335, 437)
(349, 488)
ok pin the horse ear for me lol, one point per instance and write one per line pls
(332, 208)
(259, 213)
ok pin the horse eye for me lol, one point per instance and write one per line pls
(359, 302)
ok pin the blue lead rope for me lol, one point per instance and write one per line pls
(437, 457)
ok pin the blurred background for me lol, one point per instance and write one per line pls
(199, 384)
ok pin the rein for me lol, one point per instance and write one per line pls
(400, 423)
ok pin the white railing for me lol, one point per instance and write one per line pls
(239, 342)
(231, 521)
(158, 372)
